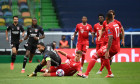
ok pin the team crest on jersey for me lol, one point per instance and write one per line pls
(74, 64)
(17, 28)
(97, 28)
(82, 31)
(80, 27)
(36, 30)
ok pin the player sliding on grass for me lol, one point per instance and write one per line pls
(109, 50)
(51, 58)
(106, 39)
(69, 68)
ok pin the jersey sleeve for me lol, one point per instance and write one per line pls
(69, 57)
(47, 57)
(77, 28)
(21, 28)
(104, 24)
(8, 28)
(94, 29)
(28, 31)
(41, 30)
(78, 67)
(91, 29)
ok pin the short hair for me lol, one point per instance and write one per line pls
(15, 16)
(41, 43)
(101, 15)
(63, 35)
(111, 11)
(79, 52)
(54, 41)
(84, 16)
(109, 16)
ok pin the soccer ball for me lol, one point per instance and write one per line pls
(60, 72)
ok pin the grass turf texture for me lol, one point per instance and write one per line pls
(125, 73)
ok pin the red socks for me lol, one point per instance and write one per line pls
(83, 59)
(106, 63)
(102, 65)
(91, 64)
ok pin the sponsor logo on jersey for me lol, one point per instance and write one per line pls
(80, 27)
(17, 28)
(36, 30)
(15, 32)
(87, 27)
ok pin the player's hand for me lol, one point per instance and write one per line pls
(72, 38)
(123, 43)
(45, 74)
(92, 41)
(107, 55)
(7, 38)
(99, 38)
(36, 38)
(22, 35)
(20, 40)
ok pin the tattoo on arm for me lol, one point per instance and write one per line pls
(109, 42)
(48, 64)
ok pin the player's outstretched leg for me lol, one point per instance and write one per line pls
(101, 68)
(90, 66)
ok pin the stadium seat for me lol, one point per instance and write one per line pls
(20, 21)
(1, 13)
(8, 21)
(2, 22)
(26, 14)
(5, 7)
(8, 13)
(4, 2)
(22, 1)
(24, 8)
(27, 21)
(16, 12)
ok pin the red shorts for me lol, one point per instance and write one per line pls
(83, 46)
(101, 52)
(98, 46)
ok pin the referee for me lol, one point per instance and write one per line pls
(51, 58)
(34, 33)
(15, 29)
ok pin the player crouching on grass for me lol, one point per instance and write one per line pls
(69, 68)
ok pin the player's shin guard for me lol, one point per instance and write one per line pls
(91, 64)
(13, 57)
(24, 62)
(38, 68)
(83, 59)
(107, 65)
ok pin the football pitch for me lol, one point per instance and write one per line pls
(125, 73)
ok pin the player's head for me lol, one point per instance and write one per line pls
(34, 21)
(54, 44)
(78, 55)
(84, 19)
(101, 17)
(109, 17)
(15, 19)
(112, 12)
(63, 37)
(41, 46)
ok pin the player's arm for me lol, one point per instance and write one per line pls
(101, 33)
(48, 61)
(93, 34)
(6, 32)
(122, 36)
(110, 36)
(74, 35)
(62, 53)
(22, 30)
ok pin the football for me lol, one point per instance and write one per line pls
(60, 72)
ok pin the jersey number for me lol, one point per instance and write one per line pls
(117, 31)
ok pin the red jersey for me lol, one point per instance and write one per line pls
(83, 32)
(105, 25)
(71, 67)
(114, 30)
(97, 29)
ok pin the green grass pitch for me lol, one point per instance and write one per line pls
(125, 73)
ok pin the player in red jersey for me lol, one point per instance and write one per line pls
(97, 28)
(83, 30)
(69, 68)
(106, 37)
(109, 50)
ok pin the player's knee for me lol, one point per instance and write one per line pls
(94, 56)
